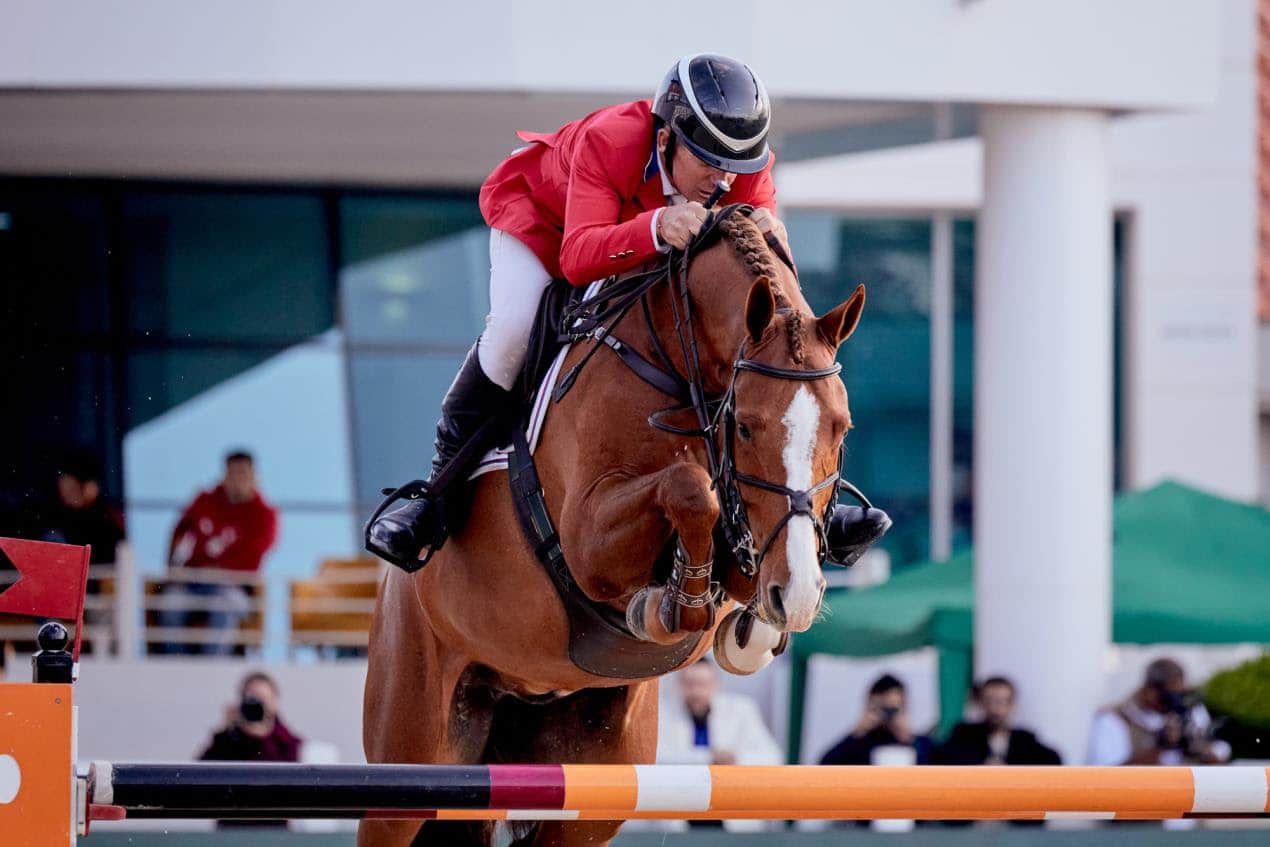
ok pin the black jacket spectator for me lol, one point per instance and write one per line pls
(858, 749)
(968, 745)
(235, 745)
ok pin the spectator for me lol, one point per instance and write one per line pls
(1162, 723)
(230, 527)
(714, 728)
(994, 740)
(254, 732)
(885, 723)
(81, 514)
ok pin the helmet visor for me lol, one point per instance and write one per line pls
(708, 149)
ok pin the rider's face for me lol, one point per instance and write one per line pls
(690, 176)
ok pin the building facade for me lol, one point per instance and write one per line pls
(254, 225)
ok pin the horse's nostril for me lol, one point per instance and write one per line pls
(777, 604)
(821, 599)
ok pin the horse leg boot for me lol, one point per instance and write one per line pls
(685, 604)
(410, 533)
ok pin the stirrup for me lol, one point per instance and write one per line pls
(872, 524)
(415, 489)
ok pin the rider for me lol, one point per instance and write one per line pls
(600, 196)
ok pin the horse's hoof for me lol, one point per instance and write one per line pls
(751, 652)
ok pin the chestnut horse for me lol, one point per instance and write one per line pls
(469, 657)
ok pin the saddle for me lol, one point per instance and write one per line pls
(600, 642)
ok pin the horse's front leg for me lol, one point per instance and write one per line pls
(621, 514)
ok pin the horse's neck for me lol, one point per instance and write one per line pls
(663, 301)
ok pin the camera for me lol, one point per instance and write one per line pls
(252, 710)
(888, 713)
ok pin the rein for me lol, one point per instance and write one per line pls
(596, 318)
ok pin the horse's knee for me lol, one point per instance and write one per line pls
(686, 496)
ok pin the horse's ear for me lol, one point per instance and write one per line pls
(760, 306)
(836, 325)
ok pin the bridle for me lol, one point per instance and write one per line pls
(596, 318)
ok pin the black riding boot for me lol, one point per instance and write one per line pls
(471, 414)
(852, 530)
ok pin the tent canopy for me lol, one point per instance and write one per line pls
(1187, 567)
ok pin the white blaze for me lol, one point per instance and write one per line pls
(10, 779)
(802, 594)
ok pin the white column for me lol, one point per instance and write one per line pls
(941, 386)
(1043, 359)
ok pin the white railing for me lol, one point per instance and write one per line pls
(129, 614)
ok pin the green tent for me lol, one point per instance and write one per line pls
(1187, 567)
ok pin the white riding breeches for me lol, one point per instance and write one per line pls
(516, 282)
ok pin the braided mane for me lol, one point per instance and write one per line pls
(750, 247)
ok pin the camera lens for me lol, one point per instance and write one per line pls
(252, 710)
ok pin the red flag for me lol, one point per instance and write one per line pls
(43, 580)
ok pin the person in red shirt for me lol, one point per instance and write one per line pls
(600, 196)
(230, 527)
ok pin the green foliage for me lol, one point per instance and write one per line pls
(1242, 693)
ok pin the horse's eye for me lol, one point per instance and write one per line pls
(744, 431)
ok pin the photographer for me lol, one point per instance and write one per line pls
(253, 731)
(884, 723)
(1163, 723)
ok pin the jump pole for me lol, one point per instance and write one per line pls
(618, 792)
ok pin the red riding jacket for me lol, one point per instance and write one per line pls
(583, 197)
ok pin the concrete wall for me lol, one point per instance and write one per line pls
(1189, 182)
(1130, 53)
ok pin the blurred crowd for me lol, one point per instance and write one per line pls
(229, 527)
(1162, 722)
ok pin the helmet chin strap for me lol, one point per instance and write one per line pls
(668, 157)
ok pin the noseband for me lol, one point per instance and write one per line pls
(595, 319)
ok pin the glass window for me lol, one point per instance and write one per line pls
(58, 380)
(396, 402)
(886, 363)
(414, 291)
(226, 267)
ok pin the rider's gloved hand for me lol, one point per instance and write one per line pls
(769, 224)
(676, 225)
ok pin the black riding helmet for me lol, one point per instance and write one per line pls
(719, 108)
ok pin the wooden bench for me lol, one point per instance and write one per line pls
(334, 609)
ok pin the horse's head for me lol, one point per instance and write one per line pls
(784, 417)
